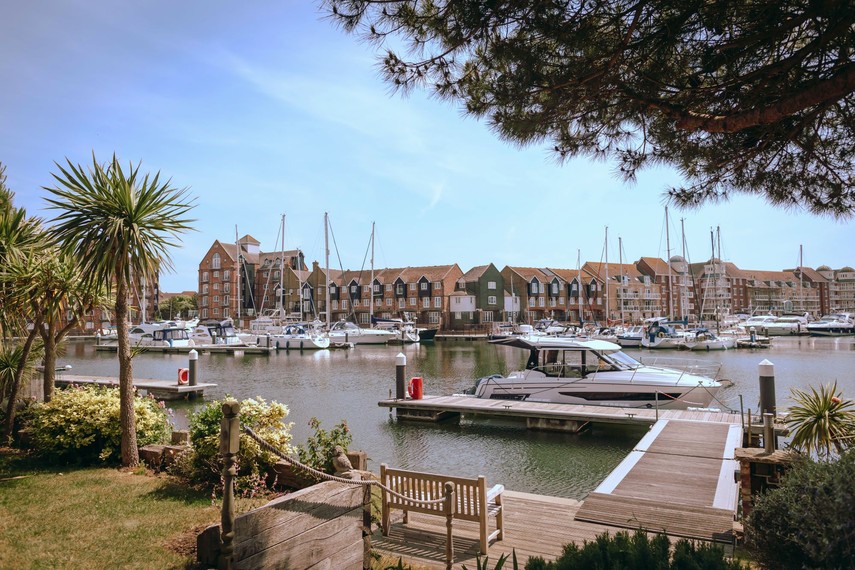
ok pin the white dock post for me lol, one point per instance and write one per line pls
(400, 375)
(193, 358)
(767, 388)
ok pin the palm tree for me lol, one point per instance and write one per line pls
(821, 422)
(119, 225)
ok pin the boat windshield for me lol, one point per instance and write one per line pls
(623, 359)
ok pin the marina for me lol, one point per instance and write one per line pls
(159, 388)
(335, 385)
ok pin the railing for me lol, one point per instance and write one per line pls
(230, 431)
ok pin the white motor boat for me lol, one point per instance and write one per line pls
(405, 331)
(300, 337)
(834, 324)
(631, 337)
(705, 339)
(347, 332)
(757, 321)
(565, 370)
(220, 333)
(789, 325)
(159, 334)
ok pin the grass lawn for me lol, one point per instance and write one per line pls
(69, 517)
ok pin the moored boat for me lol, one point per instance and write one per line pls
(347, 332)
(833, 324)
(594, 372)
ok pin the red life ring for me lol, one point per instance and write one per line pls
(183, 375)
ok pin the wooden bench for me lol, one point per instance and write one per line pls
(474, 502)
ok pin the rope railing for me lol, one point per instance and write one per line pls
(230, 431)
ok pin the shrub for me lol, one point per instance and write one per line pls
(637, 551)
(807, 522)
(82, 424)
(202, 464)
(318, 451)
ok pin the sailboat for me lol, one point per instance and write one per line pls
(347, 332)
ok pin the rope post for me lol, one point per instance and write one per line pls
(767, 388)
(768, 434)
(229, 446)
(449, 521)
(400, 375)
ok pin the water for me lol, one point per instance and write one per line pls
(337, 385)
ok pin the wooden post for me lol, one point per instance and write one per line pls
(366, 527)
(767, 388)
(229, 446)
(449, 521)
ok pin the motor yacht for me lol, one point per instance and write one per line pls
(705, 339)
(300, 337)
(347, 332)
(631, 337)
(568, 370)
(789, 325)
(834, 324)
(159, 334)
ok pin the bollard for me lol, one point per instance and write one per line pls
(767, 388)
(753, 336)
(768, 434)
(193, 358)
(400, 374)
(229, 447)
(448, 507)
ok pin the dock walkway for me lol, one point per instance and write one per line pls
(678, 480)
(160, 389)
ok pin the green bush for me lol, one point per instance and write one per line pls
(637, 552)
(807, 522)
(318, 451)
(82, 424)
(202, 464)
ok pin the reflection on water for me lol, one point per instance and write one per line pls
(346, 385)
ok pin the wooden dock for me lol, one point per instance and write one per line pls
(678, 480)
(543, 415)
(160, 389)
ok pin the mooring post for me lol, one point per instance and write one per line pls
(229, 446)
(767, 388)
(192, 359)
(400, 375)
(449, 521)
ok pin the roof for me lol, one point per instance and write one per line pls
(556, 342)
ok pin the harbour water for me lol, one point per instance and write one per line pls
(335, 385)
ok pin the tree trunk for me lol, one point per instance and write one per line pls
(9, 425)
(130, 453)
(49, 374)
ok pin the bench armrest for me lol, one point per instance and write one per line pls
(495, 492)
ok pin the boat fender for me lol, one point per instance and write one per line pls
(301, 345)
(287, 345)
(277, 345)
(661, 335)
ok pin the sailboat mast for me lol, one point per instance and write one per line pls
(802, 303)
(237, 286)
(579, 269)
(607, 275)
(327, 266)
(282, 271)
(622, 283)
(670, 275)
(371, 286)
(682, 287)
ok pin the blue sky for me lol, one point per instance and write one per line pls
(264, 108)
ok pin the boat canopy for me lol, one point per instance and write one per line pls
(556, 342)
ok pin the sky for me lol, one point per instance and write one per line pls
(265, 108)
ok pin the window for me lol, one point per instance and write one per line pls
(226, 299)
(487, 316)
(437, 302)
(388, 302)
(353, 289)
(541, 301)
(491, 300)
(433, 318)
(399, 290)
(389, 287)
(457, 316)
(334, 305)
(205, 289)
(437, 285)
(554, 288)
(276, 274)
(215, 261)
(535, 287)
(491, 285)
(226, 313)
(227, 274)
(226, 287)
(216, 299)
(423, 285)
(378, 288)
(204, 276)
(204, 313)
(344, 304)
(560, 300)
(531, 301)
(216, 286)
(412, 286)
(356, 302)
(216, 312)
(412, 301)
(216, 274)
(401, 303)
